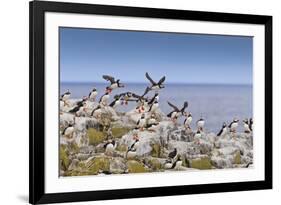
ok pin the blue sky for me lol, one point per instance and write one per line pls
(87, 54)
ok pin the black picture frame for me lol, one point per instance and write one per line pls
(37, 10)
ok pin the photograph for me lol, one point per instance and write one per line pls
(146, 102)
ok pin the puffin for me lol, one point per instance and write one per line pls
(169, 164)
(65, 96)
(154, 98)
(153, 106)
(116, 102)
(151, 126)
(132, 149)
(173, 154)
(141, 122)
(223, 130)
(200, 124)
(246, 124)
(177, 112)
(93, 94)
(154, 85)
(188, 120)
(78, 109)
(233, 125)
(82, 102)
(105, 97)
(251, 124)
(96, 112)
(68, 131)
(197, 135)
(113, 83)
(126, 97)
(110, 146)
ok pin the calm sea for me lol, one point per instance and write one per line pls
(215, 103)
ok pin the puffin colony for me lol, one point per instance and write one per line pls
(96, 139)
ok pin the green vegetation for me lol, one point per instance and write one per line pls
(95, 137)
(118, 132)
(135, 167)
(237, 158)
(203, 163)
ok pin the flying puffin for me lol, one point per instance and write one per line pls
(141, 122)
(113, 83)
(154, 98)
(233, 125)
(153, 106)
(200, 124)
(177, 112)
(105, 97)
(187, 120)
(173, 154)
(223, 130)
(116, 101)
(110, 146)
(65, 96)
(246, 124)
(126, 97)
(154, 85)
(93, 94)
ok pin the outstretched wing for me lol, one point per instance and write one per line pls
(173, 106)
(146, 91)
(162, 80)
(150, 79)
(109, 78)
(185, 105)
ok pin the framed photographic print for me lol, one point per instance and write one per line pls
(130, 102)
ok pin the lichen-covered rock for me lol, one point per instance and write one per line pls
(201, 163)
(117, 165)
(95, 137)
(135, 167)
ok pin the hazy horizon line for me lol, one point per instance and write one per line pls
(169, 83)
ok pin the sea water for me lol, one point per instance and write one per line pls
(215, 103)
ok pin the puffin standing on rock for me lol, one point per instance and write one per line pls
(116, 102)
(200, 124)
(110, 146)
(132, 150)
(65, 96)
(223, 130)
(68, 131)
(187, 120)
(173, 154)
(233, 125)
(246, 124)
(141, 122)
(104, 99)
(93, 94)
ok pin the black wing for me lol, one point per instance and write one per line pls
(185, 105)
(63, 132)
(75, 109)
(112, 103)
(170, 114)
(152, 99)
(146, 91)
(98, 107)
(150, 79)
(162, 80)
(109, 78)
(220, 132)
(172, 154)
(173, 106)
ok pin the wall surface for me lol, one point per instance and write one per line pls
(14, 100)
